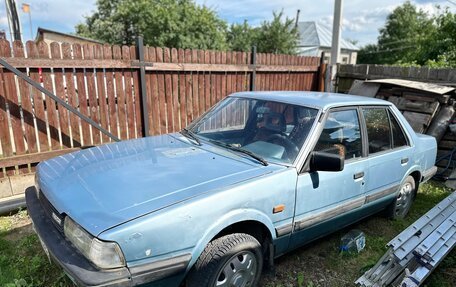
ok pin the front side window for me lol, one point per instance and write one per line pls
(272, 130)
(378, 129)
(341, 135)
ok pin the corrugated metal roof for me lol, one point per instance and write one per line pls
(314, 34)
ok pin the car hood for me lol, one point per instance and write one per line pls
(104, 186)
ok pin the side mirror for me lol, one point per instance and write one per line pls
(323, 161)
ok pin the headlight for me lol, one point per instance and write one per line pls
(104, 254)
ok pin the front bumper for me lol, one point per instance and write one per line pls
(81, 270)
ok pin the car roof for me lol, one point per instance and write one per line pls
(312, 99)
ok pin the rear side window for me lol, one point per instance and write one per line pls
(399, 138)
(341, 135)
(378, 129)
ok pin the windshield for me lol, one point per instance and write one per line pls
(269, 130)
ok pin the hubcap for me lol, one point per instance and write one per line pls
(404, 199)
(239, 271)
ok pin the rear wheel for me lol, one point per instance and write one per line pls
(234, 260)
(404, 199)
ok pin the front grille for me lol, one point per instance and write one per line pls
(51, 212)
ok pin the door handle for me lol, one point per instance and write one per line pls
(404, 160)
(358, 175)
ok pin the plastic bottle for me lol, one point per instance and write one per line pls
(355, 240)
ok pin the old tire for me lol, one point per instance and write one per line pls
(400, 207)
(232, 260)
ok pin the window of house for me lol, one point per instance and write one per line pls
(341, 134)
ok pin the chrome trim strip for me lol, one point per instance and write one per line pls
(284, 229)
(328, 214)
(428, 173)
(377, 195)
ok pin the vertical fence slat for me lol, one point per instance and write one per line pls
(43, 51)
(91, 91)
(182, 91)
(168, 93)
(26, 103)
(201, 95)
(109, 74)
(175, 93)
(72, 97)
(188, 87)
(60, 92)
(195, 87)
(120, 94)
(207, 82)
(82, 96)
(137, 98)
(161, 92)
(38, 103)
(152, 87)
(101, 92)
(129, 94)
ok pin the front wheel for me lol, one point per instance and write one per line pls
(234, 260)
(404, 199)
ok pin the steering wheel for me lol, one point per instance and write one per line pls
(290, 147)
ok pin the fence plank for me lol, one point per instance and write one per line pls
(101, 93)
(138, 96)
(51, 105)
(110, 90)
(175, 93)
(60, 92)
(161, 93)
(91, 91)
(168, 93)
(188, 88)
(153, 98)
(120, 94)
(195, 86)
(182, 91)
(38, 103)
(72, 97)
(129, 95)
(207, 82)
(82, 96)
(26, 103)
(201, 95)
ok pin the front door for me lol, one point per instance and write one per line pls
(324, 200)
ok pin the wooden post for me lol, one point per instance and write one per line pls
(322, 73)
(142, 85)
(253, 74)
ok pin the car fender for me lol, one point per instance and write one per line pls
(233, 217)
(412, 169)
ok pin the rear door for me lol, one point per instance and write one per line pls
(389, 153)
(322, 197)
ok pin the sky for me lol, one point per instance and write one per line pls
(361, 19)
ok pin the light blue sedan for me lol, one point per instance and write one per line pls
(258, 175)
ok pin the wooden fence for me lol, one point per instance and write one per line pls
(104, 83)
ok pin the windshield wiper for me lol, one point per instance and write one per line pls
(189, 134)
(244, 151)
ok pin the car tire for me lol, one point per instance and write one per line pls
(232, 260)
(400, 207)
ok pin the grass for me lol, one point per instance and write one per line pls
(23, 262)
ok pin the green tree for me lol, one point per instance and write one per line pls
(241, 37)
(277, 36)
(403, 38)
(171, 23)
